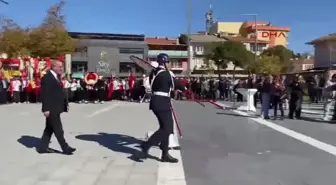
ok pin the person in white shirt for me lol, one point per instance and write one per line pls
(16, 85)
(73, 89)
(116, 87)
(329, 98)
(123, 93)
(24, 93)
(66, 87)
(147, 87)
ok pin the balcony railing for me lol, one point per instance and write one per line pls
(168, 52)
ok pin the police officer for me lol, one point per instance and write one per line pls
(162, 82)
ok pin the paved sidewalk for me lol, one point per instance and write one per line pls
(106, 137)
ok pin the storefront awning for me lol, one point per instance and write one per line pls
(77, 75)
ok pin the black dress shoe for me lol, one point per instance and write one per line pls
(144, 148)
(45, 151)
(69, 151)
(168, 159)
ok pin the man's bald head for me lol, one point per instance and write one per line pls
(57, 66)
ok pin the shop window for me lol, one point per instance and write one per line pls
(126, 67)
(131, 50)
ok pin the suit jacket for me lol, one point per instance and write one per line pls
(52, 95)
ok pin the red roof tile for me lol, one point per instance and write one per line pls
(247, 40)
(262, 25)
(161, 41)
(330, 37)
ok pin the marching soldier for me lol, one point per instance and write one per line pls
(162, 82)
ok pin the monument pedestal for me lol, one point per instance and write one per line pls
(250, 101)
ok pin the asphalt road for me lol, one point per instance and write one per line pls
(223, 148)
(218, 148)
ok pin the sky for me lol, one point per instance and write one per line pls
(168, 18)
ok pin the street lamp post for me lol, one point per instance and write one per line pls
(189, 17)
(256, 33)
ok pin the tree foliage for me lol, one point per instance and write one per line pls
(50, 39)
(283, 54)
(270, 65)
(214, 55)
(221, 53)
(14, 40)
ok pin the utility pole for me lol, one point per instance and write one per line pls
(189, 19)
(256, 34)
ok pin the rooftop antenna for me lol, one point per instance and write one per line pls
(209, 20)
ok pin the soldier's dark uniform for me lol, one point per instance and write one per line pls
(162, 82)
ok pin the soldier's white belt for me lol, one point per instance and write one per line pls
(158, 93)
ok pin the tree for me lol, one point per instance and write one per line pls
(215, 55)
(270, 65)
(51, 38)
(284, 55)
(222, 53)
(14, 39)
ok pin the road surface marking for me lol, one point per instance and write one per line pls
(100, 111)
(172, 174)
(312, 112)
(301, 137)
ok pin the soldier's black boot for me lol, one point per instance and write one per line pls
(168, 158)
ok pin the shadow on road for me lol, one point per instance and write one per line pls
(117, 143)
(29, 141)
(33, 142)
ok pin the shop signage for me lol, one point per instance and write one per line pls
(267, 34)
(103, 66)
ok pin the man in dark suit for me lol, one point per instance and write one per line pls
(53, 104)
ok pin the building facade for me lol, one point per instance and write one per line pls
(107, 54)
(275, 35)
(324, 51)
(197, 44)
(302, 64)
(250, 43)
(178, 53)
(200, 40)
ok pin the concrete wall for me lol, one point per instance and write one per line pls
(229, 27)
